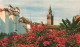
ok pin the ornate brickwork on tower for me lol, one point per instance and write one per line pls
(50, 17)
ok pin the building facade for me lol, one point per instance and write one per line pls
(9, 20)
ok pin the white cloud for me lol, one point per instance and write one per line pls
(56, 22)
(1, 4)
(61, 8)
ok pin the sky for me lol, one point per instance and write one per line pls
(37, 10)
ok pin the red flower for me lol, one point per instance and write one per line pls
(45, 43)
(20, 34)
(69, 46)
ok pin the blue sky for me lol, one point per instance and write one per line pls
(37, 10)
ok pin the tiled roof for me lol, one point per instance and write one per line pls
(24, 20)
(77, 16)
(5, 9)
(17, 8)
(0, 9)
(52, 26)
(9, 5)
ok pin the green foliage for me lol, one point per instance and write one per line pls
(69, 26)
(67, 44)
(52, 44)
(3, 34)
(41, 44)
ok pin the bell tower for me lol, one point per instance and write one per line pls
(50, 17)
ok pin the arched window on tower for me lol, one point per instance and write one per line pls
(48, 17)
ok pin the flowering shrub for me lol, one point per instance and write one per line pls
(40, 37)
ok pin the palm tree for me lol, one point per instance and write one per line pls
(69, 26)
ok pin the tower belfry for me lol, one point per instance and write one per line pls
(50, 11)
(50, 17)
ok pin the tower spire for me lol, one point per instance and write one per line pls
(50, 11)
(50, 17)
